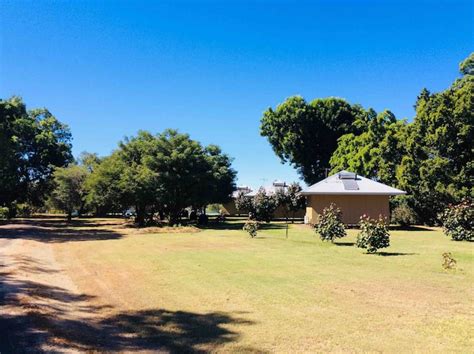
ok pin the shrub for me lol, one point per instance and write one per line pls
(4, 213)
(251, 226)
(264, 205)
(403, 215)
(23, 210)
(330, 225)
(243, 204)
(448, 261)
(458, 221)
(373, 234)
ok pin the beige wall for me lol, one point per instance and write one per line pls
(352, 206)
(229, 208)
(280, 213)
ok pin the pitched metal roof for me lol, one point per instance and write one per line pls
(348, 183)
(271, 189)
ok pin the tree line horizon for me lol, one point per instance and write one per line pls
(431, 157)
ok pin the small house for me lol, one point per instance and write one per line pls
(353, 194)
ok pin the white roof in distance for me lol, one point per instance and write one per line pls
(335, 185)
(271, 189)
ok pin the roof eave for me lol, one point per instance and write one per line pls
(353, 193)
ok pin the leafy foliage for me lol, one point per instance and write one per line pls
(376, 151)
(167, 173)
(373, 234)
(305, 135)
(244, 204)
(438, 166)
(23, 210)
(264, 205)
(330, 225)
(458, 221)
(290, 199)
(69, 189)
(251, 226)
(402, 214)
(4, 213)
(32, 144)
(448, 261)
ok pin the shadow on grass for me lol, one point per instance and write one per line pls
(37, 314)
(345, 244)
(55, 231)
(391, 254)
(409, 228)
(239, 225)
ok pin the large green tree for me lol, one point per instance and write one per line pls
(32, 144)
(305, 134)
(166, 172)
(69, 190)
(376, 152)
(190, 174)
(439, 165)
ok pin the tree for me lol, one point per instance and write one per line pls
(69, 189)
(244, 204)
(32, 144)
(264, 205)
(305, 135)
(467, 65)
(162, 173)
(438, 167)
(290, 200)
(376, 152)
(89, 160)
(104, 192)
(189, 174)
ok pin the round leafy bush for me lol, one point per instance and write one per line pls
(403, 215)
(458, 221)
(251, 226)
(23, 210)
(4, 213)
(373, 234)
(330, 225)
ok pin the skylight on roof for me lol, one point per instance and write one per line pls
(347, 175)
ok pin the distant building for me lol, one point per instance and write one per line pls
(353, 194)
(229, 207)
(280, 212)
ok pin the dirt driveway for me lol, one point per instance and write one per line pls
(41, 308)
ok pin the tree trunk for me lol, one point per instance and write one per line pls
(69, 215)
(174, 218)
(140, 217)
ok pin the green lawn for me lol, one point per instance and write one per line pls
(278, 294)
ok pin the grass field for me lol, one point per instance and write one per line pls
(217, 289)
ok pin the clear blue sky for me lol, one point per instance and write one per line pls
(210, 69)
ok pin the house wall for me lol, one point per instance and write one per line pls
(229, 208)
(280, 213)
(352, 206)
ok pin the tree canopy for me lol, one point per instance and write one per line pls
(69, 189)
(305, 135)
(376, 151)
(166, 172)
(32, 144)
(438, 167)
